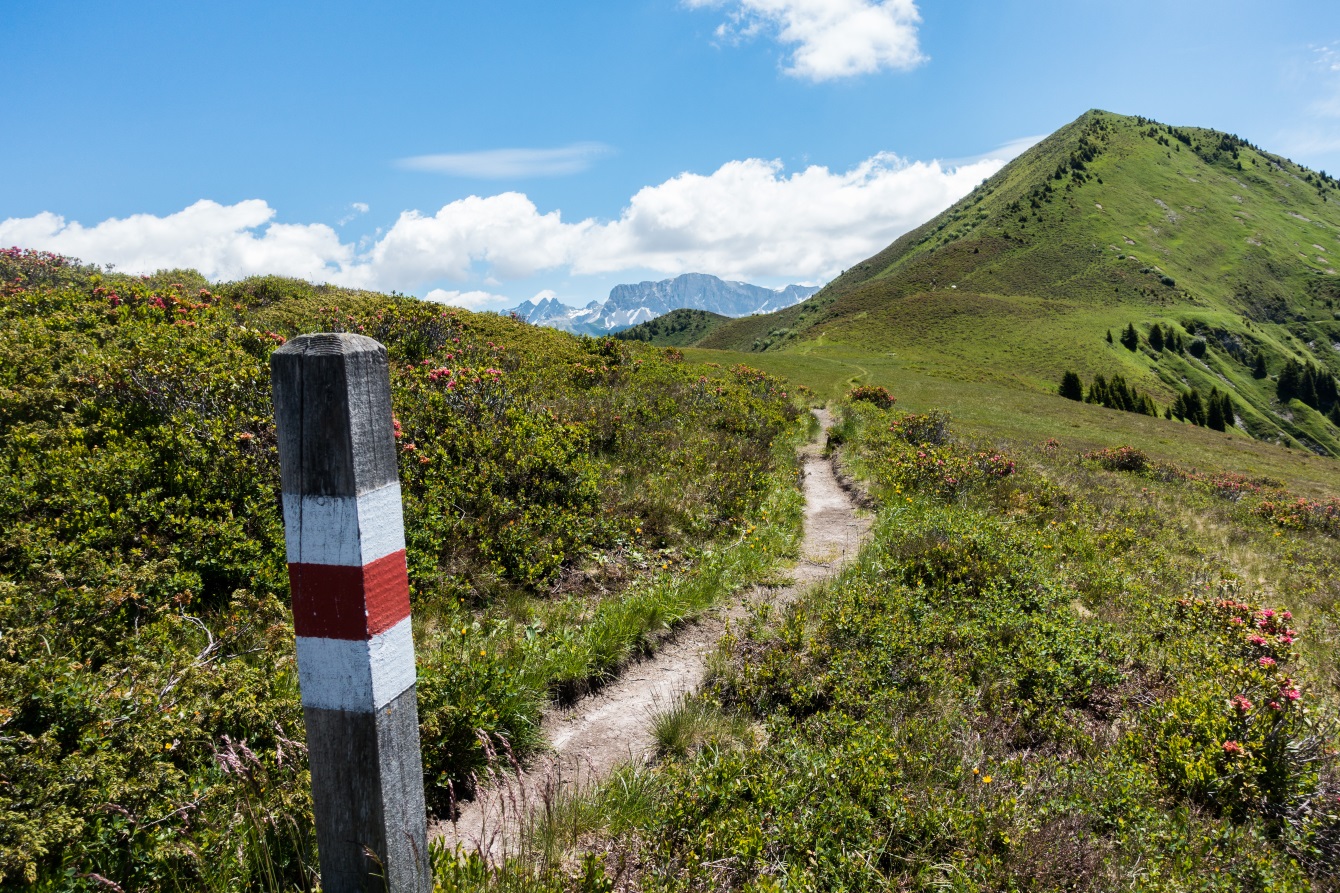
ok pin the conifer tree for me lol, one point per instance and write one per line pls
(1071, 387)
(1307, 387)
(1214, 416)
(1290, 381)
(1118, 394)
(1130, 339)
(1230, 417)
(1098, 392)
(1326, 390)
(1156, 337)
(1259, 370)
(1334, 415)
(1109, 336)
(1195, 408)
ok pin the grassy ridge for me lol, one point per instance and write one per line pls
(997, 412)
(566, 501)
(1110, 221)
(678, 328)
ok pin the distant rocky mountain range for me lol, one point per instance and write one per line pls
(629, 305)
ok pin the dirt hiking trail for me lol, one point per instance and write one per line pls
(613, 726)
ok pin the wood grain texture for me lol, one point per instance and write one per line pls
(332, 398)
(374, 836)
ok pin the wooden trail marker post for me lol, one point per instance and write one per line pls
(345, 536)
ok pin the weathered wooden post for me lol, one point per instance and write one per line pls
(345, 535)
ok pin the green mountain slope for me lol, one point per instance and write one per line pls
(1112, 221)
(678, 328)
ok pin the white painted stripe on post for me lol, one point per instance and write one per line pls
(339, 674)
(344, 530)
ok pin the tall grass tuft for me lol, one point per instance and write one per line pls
(692, 723)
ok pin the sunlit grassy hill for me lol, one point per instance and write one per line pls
(677, 328)
(1111, 221)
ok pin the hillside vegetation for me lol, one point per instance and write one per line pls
(678, 328)
(1045, 672)
(567, 500)
(1111, 222)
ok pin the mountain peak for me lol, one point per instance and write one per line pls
(629, 305)
(1112, 222)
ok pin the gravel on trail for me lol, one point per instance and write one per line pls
(612, 726)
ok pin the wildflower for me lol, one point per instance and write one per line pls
(1240, 703)
(1232, 747)
(1267, 662)
(1291, 694)
(986, 779)
(1256, 640)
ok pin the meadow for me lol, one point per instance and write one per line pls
(986, 409)
(1047, 671)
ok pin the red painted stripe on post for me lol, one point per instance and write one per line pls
(335, 602)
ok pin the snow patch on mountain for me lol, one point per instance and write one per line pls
(629, 305)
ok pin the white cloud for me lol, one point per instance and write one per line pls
(506, 232)
(221, 241)
(747, 219)
(355, 209)
(501, 164)
(1328, 56)
(831, 38)
(750, 219)
(470, 300)
(1006, 152)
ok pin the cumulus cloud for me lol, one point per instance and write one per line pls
(830, 38)
(221, 241)
(504, 232)
(503, 164)
(748, 219)
(470, 300)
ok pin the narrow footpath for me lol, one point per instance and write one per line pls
(613, 726)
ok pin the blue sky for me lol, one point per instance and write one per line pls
(486, 153)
